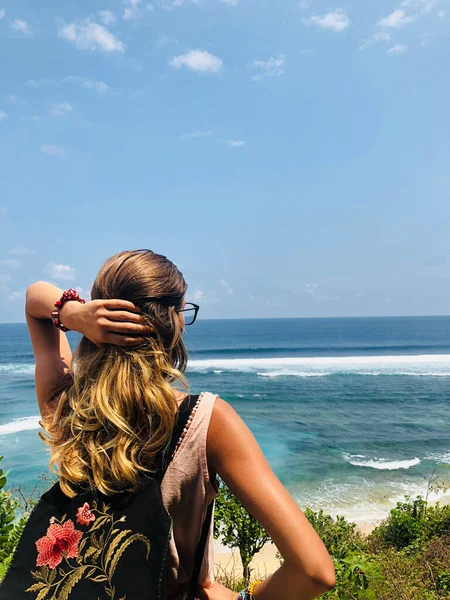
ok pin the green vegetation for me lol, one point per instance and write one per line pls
(11, 523)
(407, 557)
(237, 528)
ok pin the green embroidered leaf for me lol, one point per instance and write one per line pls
(91, 572)
(82, 544)
(42, 593)
(99, 522)
(44, 573)
(99, 578)
(36, 587)
(52, 576)
(37, 575)
(70, 582)
(116, 541)
(136, 537)
(101, 540)
(90, 551)
(97, 554)
(63, 518)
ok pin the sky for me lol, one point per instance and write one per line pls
(291, 157)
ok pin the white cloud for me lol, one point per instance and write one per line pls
(88, 84)
(11, 263)
(270, 67)
(31, 83)
(200, 61)
(2, 14)
(198, 134)
(21, 251)
(377, 37)
(60, 110)
(422, 5)
(52, 150)
(398, 49)
(336, 20)
(16, 296)
(5, 278)
(60, 272)
(396, 19)
(15, 100)
(227, 288)
(21, 25)
(107, 17)
(313, 290)
(85, 293)
(235, 143)
(3, 115)
(310, 289)
(87, 35)
(134, 10)
(210, 135)
(441, 14)
(198, 295)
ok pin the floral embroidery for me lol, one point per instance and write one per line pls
(85, 515)
(60, 541)
(92, 554)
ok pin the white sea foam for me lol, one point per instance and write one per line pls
(426, 365)
(217, 371)
(439, 458)
(292, 374)
(22, 424)
(381, 464)
(17, 369)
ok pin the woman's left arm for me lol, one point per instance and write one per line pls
(51, 348)
(102, 321)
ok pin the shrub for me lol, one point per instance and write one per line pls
(10, 528)
(237, 528)
(411, 524)
(339, 536)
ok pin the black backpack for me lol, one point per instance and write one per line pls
(96, 547)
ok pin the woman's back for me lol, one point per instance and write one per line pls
(112, 409)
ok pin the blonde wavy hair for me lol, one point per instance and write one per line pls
(117, 409)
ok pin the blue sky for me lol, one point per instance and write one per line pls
(291, 157)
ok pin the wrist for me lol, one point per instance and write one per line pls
(68, 314)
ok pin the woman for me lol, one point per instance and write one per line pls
(125, 366)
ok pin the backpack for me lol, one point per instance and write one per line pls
(97, 547)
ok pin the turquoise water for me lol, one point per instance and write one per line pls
(352, 414)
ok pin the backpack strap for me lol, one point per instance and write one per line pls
(162, 461)
(200, 552)
(184, 412)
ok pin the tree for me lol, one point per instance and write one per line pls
(237, 528)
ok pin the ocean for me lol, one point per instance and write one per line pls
(352, 414)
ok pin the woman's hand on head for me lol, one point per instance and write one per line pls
(115, 322)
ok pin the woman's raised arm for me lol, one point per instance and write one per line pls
(102, 321)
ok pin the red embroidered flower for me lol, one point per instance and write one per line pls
(85, 515)
(60, 541)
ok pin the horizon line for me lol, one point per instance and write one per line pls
(292, 318)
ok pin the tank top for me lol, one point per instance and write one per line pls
(187, 490)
